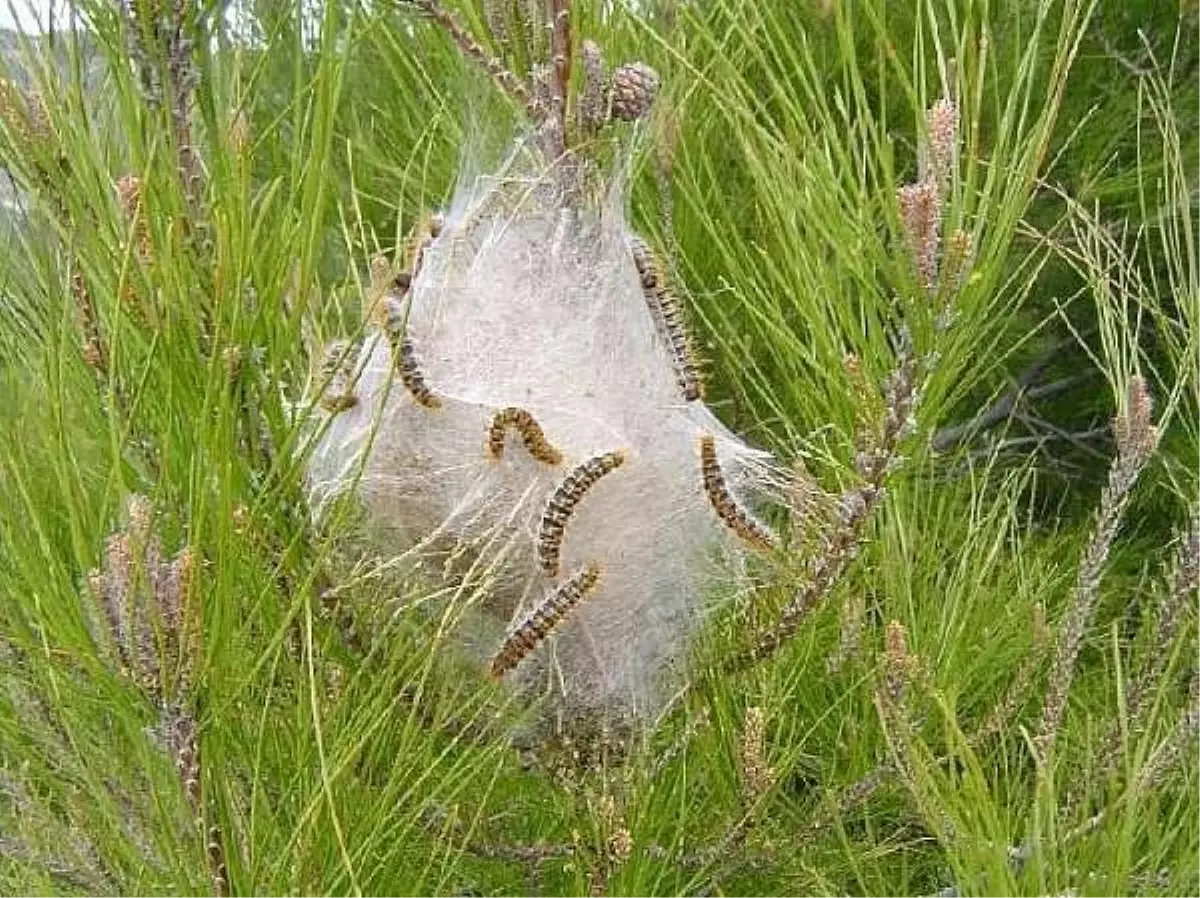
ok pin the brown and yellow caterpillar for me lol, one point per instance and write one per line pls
(336, 374)
(404, 356)
(513, 418)
(725, 505)
(544, 618)
(669, 319)
(562, 505)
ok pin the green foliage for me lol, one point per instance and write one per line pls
(343, 747)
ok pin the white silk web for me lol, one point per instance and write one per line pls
(531, 301)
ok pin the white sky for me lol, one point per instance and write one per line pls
(30, 15)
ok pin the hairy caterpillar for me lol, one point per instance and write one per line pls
(544, 618)
(336, 375)
(513, 418)
(403, 354)
(669, 319)
(562, 504)
(735, 517)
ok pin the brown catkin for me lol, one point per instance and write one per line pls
(959, 256)
(218, 871)
(921, 215)
(941, 124)
(757, 775)
(14, 115)
(530, 633)
(725, 505)
(383, 279)
(898, 664)
(669, 319)
(513, 418)
(24, 115)
(239, 134)
(562, 505)
(178, 726)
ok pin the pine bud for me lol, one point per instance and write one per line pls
(941, 122)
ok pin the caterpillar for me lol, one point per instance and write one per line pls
(513, 418)
(725, 505)
(562, 505)
(403, 354)
(669, 319)
(544, 618)
(338, 395)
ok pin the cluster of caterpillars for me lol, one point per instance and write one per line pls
(388, 312)
(387, 301)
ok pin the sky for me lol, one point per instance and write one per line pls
(32, 15)
(29, 15)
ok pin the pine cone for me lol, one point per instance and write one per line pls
(634, 87)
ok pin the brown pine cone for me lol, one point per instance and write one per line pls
(634, 87)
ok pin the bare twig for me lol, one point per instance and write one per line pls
(495, 850)
(560, 55)
(1024, 389)
(506, 80)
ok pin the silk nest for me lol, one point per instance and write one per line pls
(529, 298)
